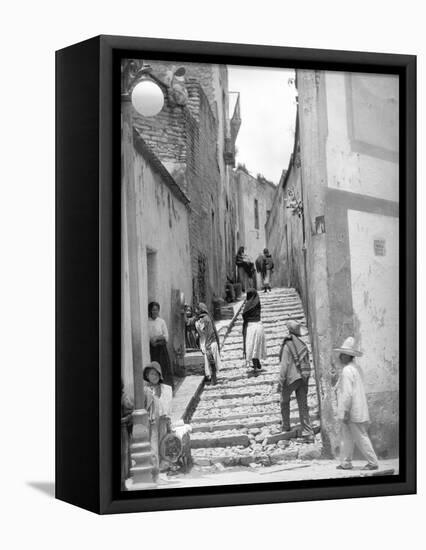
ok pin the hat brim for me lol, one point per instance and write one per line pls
(349, 351)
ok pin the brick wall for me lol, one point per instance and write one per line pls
(204, 184)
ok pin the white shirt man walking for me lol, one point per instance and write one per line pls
(353, 409)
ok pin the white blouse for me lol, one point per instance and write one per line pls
(157, 327)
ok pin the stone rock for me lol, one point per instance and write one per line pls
(229, 461)
(246, 460)
(202, 461)
(290, 454)
(310, 452)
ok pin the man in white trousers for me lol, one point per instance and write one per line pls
(353, 409)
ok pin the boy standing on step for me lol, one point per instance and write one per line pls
(294, 377)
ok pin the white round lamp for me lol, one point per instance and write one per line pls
(147, 98)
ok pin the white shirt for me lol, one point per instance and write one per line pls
(157, 327)
(351, 395)
(165, 401)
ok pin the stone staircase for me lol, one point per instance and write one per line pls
(237, 422)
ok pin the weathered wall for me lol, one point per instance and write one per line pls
(248, 190)
(163, 229)
(348, 141)
(312, 133)
(375, 291)
(362, 142)
(204, 185)
(284, 232)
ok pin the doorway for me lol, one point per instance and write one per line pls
(151, 271)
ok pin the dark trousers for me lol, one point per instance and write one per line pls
(301, 388)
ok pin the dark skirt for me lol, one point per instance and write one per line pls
(161, 355)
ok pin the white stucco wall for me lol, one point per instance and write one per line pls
(375, 288)
(249, 189)
(366, 173)
(163, 228)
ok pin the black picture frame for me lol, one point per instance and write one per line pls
(88, 274)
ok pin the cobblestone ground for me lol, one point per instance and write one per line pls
(237, 422)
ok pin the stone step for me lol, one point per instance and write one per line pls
(245, 390)
(280, 302)
(246, 411)
(279, 291)
(224, 439)
(272, 315)
(140, 447)
(296, 449)
(141, 473)
(237, 343)
(238, 354)
(270, 377)
(241, 373)
(143, 458)
(235, 363)
(278, 330)
(241, 437)
(220, 403)
(249, 423)
(273, 322)
(235, 393)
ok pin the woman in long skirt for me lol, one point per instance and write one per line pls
(158, 338)
(253, 332)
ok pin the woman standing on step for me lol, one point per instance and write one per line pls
(158, 338)
(253, 333)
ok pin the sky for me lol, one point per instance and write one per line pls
(268, 112)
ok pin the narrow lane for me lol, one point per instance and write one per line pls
(237, 422)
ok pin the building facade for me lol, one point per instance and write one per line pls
(337, 237)
(254, 198)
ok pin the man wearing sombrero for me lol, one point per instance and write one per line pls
(353, 409)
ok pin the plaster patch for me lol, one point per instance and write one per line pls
(375, 290)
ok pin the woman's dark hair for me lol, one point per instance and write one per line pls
(241, 250)
(266, 251)
(151, 305)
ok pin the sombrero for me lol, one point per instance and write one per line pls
(348, 348)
